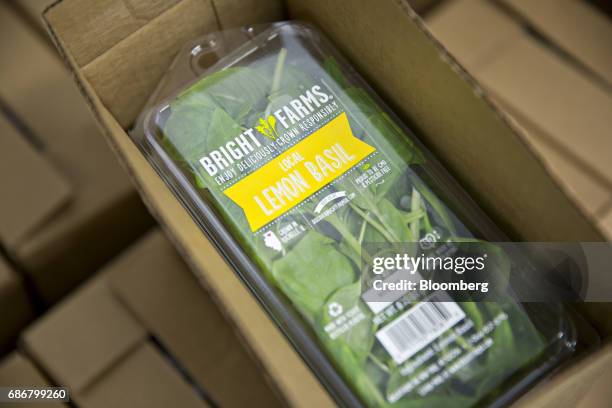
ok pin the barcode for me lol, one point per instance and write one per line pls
(418, 327)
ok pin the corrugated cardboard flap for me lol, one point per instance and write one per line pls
(32, 189)
(135, 40)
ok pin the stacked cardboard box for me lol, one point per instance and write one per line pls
(556, 84)
(144, 334)
(67, 206)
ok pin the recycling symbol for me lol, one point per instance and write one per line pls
(334, 309)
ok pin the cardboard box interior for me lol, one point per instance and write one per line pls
(17, 370)
(400, 59)
(144, 316)
(70, 190)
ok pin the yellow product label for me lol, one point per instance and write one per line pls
(299, 172)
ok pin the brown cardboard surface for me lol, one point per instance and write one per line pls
(153, 283)
(15, 308)
(33, 9)
(567, 389)
(17, 370)
(588, 192)
(570, 108)
(133, 58)
(143, 379)
(91, 344)
(439, 99)
(472, 30)
(606, 222)
(88, 41)
(423, 6)
(85, 342)
(230, 13)
(36, 86)
(83, 336)
(564, 112)
(600, 394)
(33, 190)
(576, 27)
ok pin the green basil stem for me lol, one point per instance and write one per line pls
(426, 221)
(276, 81)
(435, 203)
(415, 206)
(414, 215)
(378, 363)
(342, 228)
(278, 71)
(386, 232)
(362, 231)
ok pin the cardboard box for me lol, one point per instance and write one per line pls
(576, 27)
(15, 306)
(142, 315)
(69, 206)
(18, 371)
(418, 77)
(90, 345)
(564, 112)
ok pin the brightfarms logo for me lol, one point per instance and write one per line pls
(268, 127)
(247, 144)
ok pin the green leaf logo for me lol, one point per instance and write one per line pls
(267, 127)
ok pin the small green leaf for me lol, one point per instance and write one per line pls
(312, 271)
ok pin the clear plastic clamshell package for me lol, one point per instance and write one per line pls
(292, 165)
